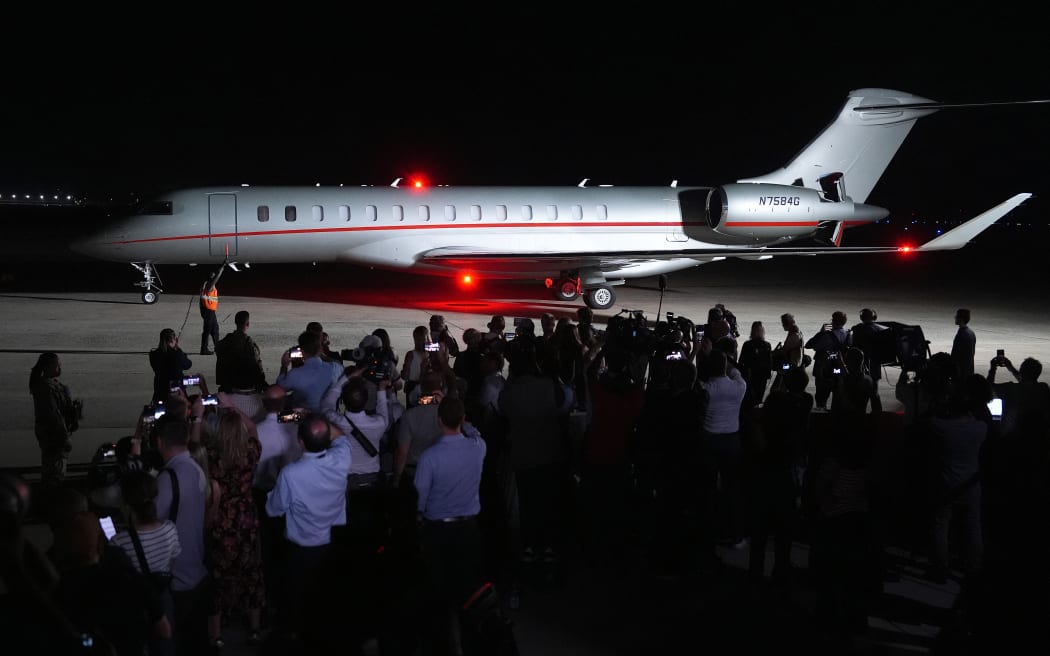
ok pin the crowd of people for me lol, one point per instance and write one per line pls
(419, 479)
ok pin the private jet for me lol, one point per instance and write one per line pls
(579, 240)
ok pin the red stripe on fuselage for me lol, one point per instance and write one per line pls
(302, 231)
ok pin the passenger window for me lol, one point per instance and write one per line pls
(344, 213)
(318, 213)
(552, 212)
(501, 212)
(399, 213)
(371, 213)
(263, 213)
(289, 213)
(603, 212)
(577, 212)
(475, 212)
(450, 212)
(526, 212)
(424, 212)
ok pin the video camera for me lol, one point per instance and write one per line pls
(376, 364)
(629, 331)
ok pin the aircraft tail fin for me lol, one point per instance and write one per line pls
(858, 144)
(960, 236)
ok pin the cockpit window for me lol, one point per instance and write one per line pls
(156, 208)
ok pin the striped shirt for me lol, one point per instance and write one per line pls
(160, 546)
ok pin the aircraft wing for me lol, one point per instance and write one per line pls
(549, 263)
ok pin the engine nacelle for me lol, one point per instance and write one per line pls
(767, 211)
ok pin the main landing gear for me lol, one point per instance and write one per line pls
(151, 282)
(596, 290)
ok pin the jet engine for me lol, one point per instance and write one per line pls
(769, 210)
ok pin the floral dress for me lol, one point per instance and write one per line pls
(236, 556)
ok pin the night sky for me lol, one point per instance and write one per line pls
(146, 102)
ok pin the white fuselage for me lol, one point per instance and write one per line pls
(398, 227)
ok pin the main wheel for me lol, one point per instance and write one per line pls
(149, 297)
(566, 290)
(600, 298)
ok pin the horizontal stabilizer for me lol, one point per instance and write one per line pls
(960, 236)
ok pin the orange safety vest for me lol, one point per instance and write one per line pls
(210, 301)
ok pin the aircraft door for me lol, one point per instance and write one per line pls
(673, 215)
(222, 224)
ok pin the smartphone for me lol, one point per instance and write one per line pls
(154, 412)
(995, 406)
(429, 399)
(509, 335)
(785, 367)
(675, 355)
(837, 371)
(670, 317)
(296, 353)
(211, 399)
(1000, 356)
(175, 389)
(288, 417)
(432, 347)
(191, 380)
(108, 529)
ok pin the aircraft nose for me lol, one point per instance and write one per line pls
(93, 245)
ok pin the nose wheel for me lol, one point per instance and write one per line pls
(149, 297)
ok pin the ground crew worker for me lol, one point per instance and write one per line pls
(209, 303)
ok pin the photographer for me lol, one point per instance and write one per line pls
(854, 389)
(829, 344)
(1025, 399)
(309, 381)
(374, 364)
(169, 363)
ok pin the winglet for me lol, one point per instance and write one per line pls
(961, 235)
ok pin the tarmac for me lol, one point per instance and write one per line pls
(91, 315)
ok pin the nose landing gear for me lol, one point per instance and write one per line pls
(151, 282)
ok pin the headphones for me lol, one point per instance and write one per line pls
(868, 312)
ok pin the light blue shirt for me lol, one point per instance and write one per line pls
(311, 494)
(448, 477)
(188, 568)
(310, 381)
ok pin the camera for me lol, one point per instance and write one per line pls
(432, 347)
(211, 399)
(191, 380)
(289, 417)
(296, 353)
(428, 399)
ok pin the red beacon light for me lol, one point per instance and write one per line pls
(907, 249)
(418, 182)
(467, 279)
